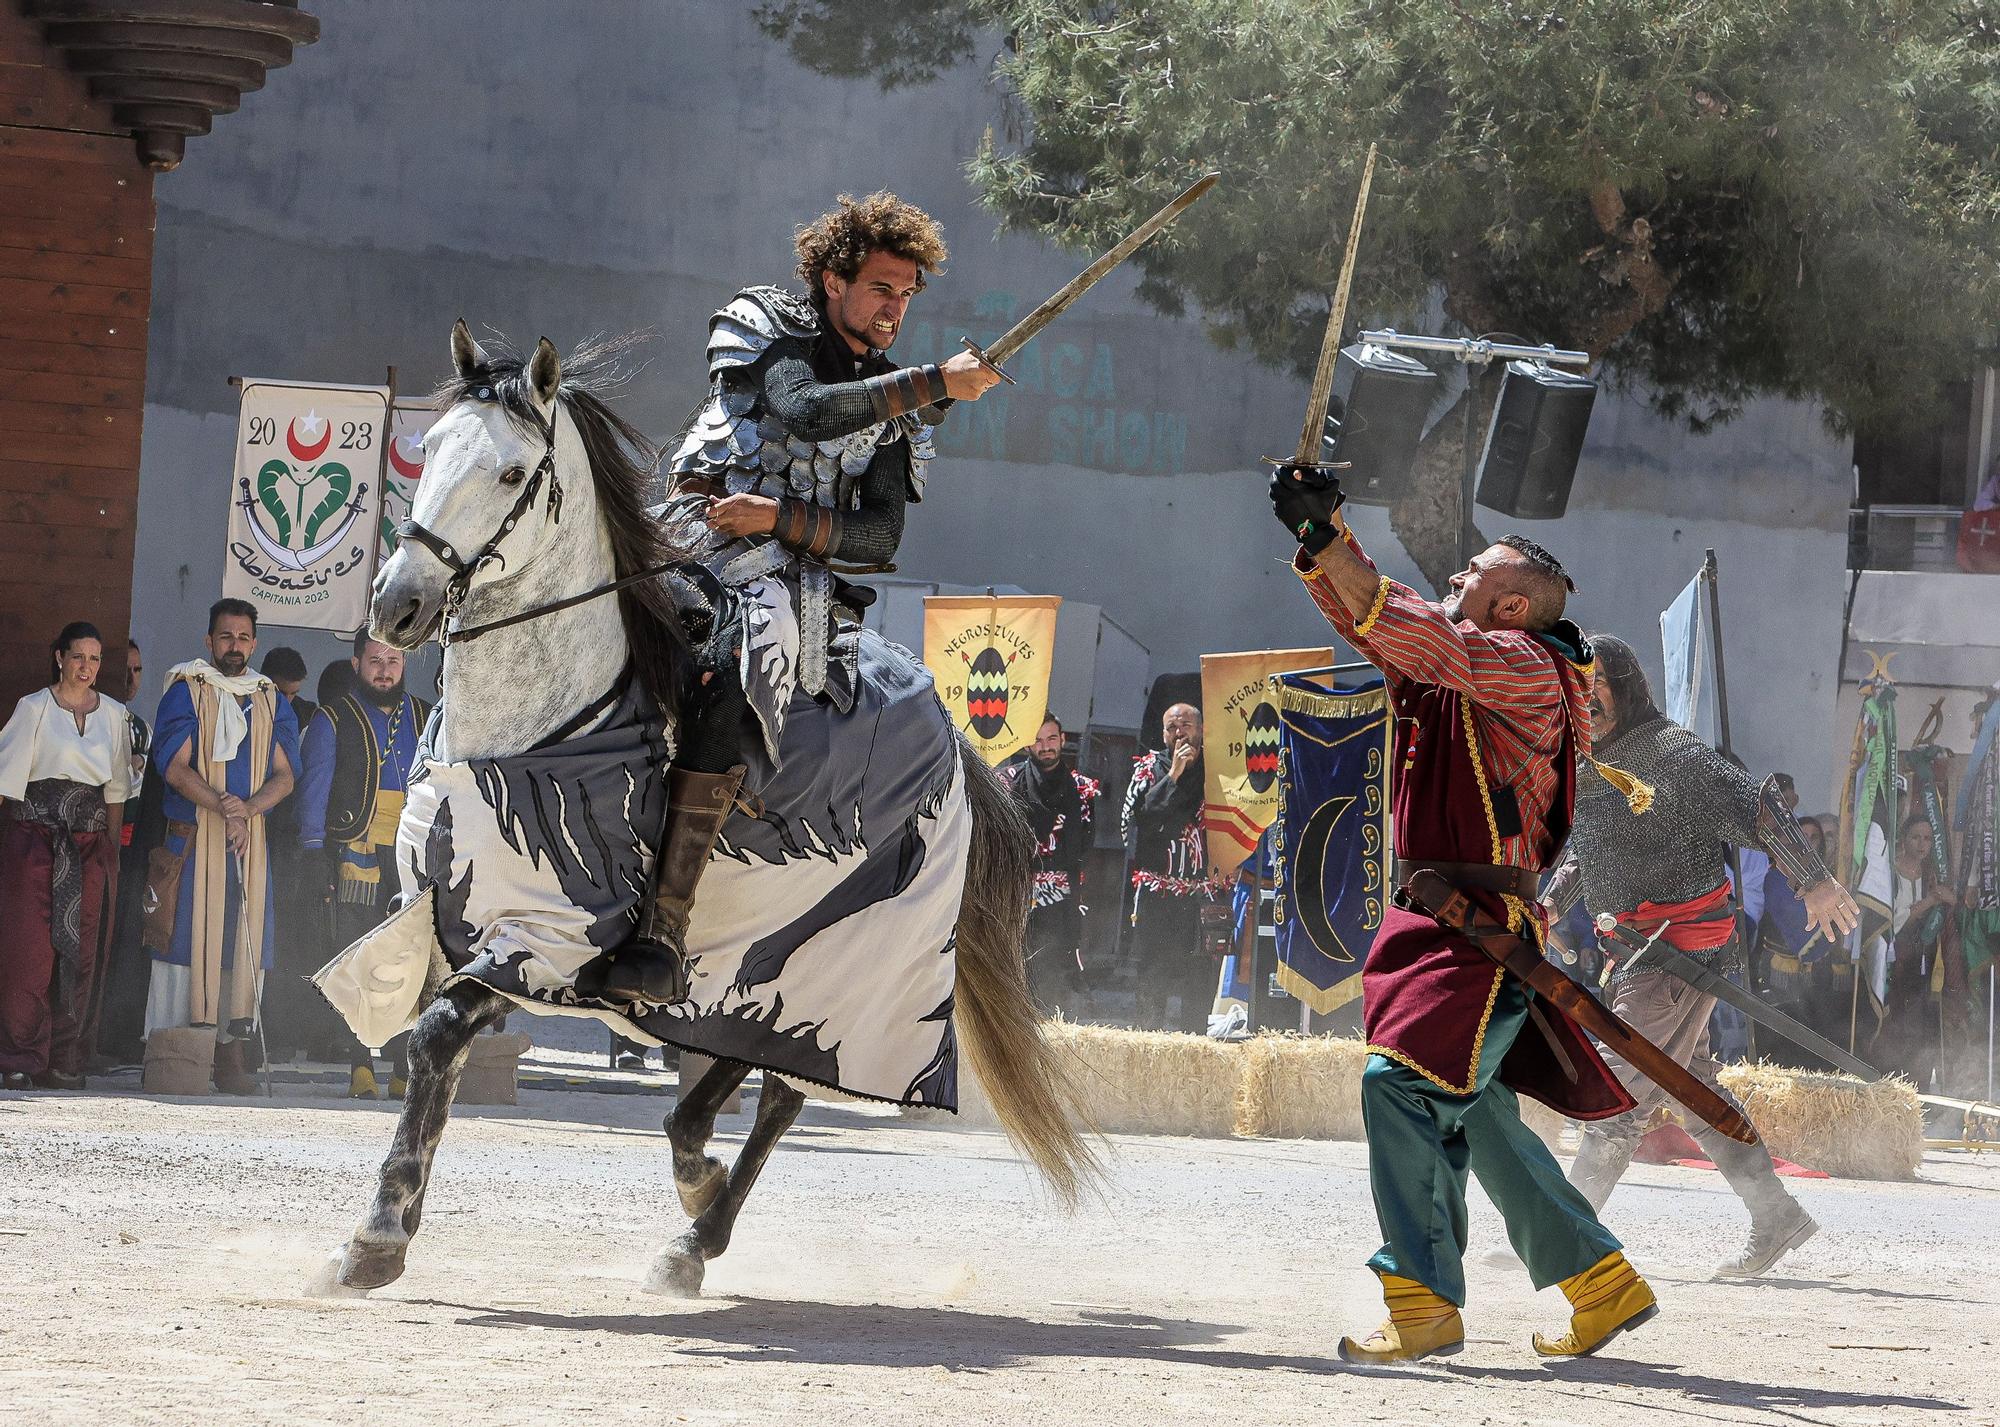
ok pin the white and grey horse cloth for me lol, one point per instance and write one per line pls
(821, 944)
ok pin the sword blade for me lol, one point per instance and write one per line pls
(1714, 983)
(1022, 332)
(1329, 344)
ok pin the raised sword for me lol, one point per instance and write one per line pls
(1021, 333)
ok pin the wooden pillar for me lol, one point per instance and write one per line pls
(76, 256)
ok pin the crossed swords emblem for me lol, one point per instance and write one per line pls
(298, 560)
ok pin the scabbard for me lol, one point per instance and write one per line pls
(1433, 896)
(1710, 982)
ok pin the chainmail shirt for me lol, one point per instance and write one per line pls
(1675, 852)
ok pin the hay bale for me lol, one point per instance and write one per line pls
(1137, 1082)
(1301, 1088)
(180, 1060)
(491, 1069)
(1837, 1123)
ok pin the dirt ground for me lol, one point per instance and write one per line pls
(157, 1263)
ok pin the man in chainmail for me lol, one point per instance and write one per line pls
(1661, 871)
(795, 471)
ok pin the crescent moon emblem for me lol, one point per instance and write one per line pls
(300, 450)
(1309, 893)
(408, 470)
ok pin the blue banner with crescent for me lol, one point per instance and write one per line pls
(1330, 842)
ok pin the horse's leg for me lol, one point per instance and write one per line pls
(699, 1176)
(438, 1046)
(680, 1266)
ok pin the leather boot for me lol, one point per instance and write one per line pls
(1778, 1223)
(652, 968)
(1601, 1161)
(232, 1067)
(1421, 1325)
(1606, 1299)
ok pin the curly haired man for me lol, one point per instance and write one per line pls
(799, 464)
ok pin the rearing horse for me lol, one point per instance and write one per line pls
(527, 531)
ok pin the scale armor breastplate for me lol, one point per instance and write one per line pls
(734, 442)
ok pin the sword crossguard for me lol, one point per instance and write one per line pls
(1307, 465)
(986, 361)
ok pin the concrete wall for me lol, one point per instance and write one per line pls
(629, 163)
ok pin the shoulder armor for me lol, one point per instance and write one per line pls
(754, 319)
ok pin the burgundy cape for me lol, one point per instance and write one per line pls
(1427, 993)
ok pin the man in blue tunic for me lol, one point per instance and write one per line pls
(226, 743)
(358, 752)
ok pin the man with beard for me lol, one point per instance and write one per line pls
(1171, 887)
(1058, 802)
(1661, 872)
(801, 462)
(1491, 694)
(227, 745)
(359, 751)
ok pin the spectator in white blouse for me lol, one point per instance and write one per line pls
(65, 773)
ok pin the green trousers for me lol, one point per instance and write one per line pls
(1422, 1140)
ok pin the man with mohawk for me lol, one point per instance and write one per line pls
(1491, 691)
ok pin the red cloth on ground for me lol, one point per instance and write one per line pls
(1670, 1144)
(34, 1035)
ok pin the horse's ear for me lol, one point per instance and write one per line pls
(466, 356)
(545, 372)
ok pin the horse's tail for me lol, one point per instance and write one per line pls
(998, 1026)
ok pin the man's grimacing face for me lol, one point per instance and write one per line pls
(868, 308)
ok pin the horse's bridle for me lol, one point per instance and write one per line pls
(463, 569)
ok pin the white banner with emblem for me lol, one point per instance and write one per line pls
(305, 502)
(408, 422)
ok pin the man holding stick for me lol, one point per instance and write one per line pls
(1491, 690)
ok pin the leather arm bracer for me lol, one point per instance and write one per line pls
(811, 530)
(904, 390)
(1780, 835)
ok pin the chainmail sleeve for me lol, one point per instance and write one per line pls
(807, 407)
(1722, 797)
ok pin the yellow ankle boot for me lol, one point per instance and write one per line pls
(361, 1083)
(1420, 1325)
(1606, 1299)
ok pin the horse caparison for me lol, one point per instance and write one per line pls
(999, 1031)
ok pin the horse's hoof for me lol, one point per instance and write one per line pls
(675, 1275)
(371, 1265)
(701, 1191)
(324, 1280)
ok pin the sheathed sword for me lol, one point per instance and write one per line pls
(1654, 951)
(1430, 894)
(1021, 333)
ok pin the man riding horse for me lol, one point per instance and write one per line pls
(795, 471)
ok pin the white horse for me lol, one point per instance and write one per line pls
(533, 503)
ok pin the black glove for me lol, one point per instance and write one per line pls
(1305, 500)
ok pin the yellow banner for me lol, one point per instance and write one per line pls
(1240, 747)
(990, 655)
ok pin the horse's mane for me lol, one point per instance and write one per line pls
(622, 466)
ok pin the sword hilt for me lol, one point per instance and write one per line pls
(979, 353)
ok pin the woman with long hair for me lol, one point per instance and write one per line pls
(65, 773)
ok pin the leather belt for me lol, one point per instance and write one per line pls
(1487, 876)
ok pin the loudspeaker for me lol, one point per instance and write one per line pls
(1374, 418)
(1534, 441)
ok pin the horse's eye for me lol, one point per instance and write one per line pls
(513, 475)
